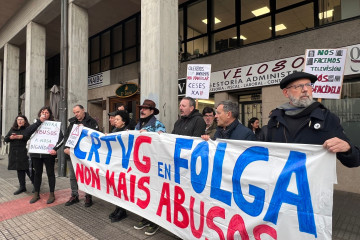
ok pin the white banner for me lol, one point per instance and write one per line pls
(198, 81)
(215, 189)
(328, 65)
(45, 137)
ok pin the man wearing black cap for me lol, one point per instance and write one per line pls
(149, 123)
(302, 120)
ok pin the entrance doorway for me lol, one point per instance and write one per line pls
(250, 106)
(130, 103)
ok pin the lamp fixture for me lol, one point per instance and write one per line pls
(326, 14)
(241, 37)
(261, 11)
(279, 27)
(216, 20)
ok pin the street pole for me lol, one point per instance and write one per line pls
(63, 83)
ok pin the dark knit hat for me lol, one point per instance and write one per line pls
(296, 76)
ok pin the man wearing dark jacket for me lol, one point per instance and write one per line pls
(302, 120)
(229, 127)
(83, 118)
(191, 122)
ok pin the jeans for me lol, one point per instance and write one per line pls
(73, 183)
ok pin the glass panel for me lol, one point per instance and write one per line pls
(224, 13)
(118, 60)
(181, 25)
(105, 64)
(254, 8)
(196, 15)
(256, 31)
(95, 48)
(95, 67)
(197, 48)
(130, 33)
(105, 44)
(331, 10)
(130, 55)
(225, 40)
(294, 20)
(117, 38)
(285, 3)
(348, 110)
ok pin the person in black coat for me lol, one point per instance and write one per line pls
(253, 125)
(38, 160)
(302, 120)
(18, 158)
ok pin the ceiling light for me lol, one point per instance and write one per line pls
(216, 20)
(326, 14)
(261, 11)
(279, 27)
(241, 37)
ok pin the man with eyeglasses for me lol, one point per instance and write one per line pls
(303, 120)
(209, 118)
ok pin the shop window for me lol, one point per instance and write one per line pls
(254, 8)
(117, 38)
(105, 64)
(197, 48)
(294, 20)
(224, 13)
(130, 33)
(94, 48)
(105, 44)
(118, 60)
(130, 55)
(285, 3)
(94, 67)
(256, 30)
(348, 110)
(181, 25)
(197, 19)
(225, 39)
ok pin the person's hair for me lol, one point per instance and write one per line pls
(251, 121)
(208, 110)
(122, 105)
(191, 101)
(51, 117)
(124, 116)
(80, 106)
(232, 107)
(16, 126)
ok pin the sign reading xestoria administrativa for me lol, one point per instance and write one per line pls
(268, 73)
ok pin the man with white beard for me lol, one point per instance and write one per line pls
(302, 120)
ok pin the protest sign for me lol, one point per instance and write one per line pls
(211, 190)
(45, 137)
(198, 81)
(74, 135)
(328, 65)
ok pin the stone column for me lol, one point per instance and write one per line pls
(159, 57)
(78, 57)
(10, 86)
(1, 80)
(35, 69)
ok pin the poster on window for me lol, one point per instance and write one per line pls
(328, 65)
(198, 81)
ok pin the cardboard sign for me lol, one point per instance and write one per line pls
(215, 189)
(45, 137)
(328, 65)
(74, 135)
(198, 81)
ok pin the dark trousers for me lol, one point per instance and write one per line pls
(50, 171)
(21, 176)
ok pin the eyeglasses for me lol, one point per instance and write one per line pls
(301, 86)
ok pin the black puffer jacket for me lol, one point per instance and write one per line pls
(319, 126)
(18, 159)
(192, 125)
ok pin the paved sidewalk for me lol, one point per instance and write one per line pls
(21, 220)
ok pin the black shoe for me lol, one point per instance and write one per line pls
(88, 201)
(20, 190)
(119, 216)
(72, 200)
(117, 209)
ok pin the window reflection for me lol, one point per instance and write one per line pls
(197, 48)
(224, 11)
(256, 31)
(196, 15)
(254, 8)
(225, 39)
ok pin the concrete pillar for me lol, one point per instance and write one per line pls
(10, 86)
(159, 57)
(35, 69)
(1, 80)
(78, 57)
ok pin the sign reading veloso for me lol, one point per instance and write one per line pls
(127, 90)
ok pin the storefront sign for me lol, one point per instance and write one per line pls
(45, 137)
(198, 80)
(328, 66)
(182, 87)
(127, 90)
(352, 65)
(99, 80)
(225, 189)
